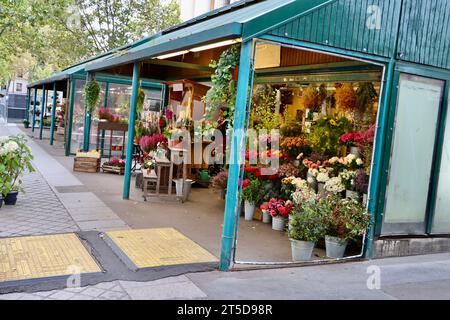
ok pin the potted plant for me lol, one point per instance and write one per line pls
(346, 220)
(15, 160)
(362, 184)
(252, 193)
(306, 228)
(220, 183)
(26, 123)
(280, 211)
(348, 180)
(149, 165)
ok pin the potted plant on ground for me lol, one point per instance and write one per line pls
(15, 160)
(220, 182)
(252, 194)
(267, 218)
(306, 228)
(26, 123)
(346, 220)
(280, 211)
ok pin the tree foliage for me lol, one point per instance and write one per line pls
(59, 33)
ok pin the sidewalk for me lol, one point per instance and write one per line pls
(411, 278)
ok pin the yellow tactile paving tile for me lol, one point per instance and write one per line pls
(149, 248)
(25, 258)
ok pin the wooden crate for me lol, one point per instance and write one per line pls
(90, 165)
(111, 169)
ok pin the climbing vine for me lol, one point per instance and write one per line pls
(222, 94)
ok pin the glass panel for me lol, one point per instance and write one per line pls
(78, 117)
(412, 154)
(441, 222)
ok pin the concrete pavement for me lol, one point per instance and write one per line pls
(411, 278)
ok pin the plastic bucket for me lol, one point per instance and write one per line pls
(301, 250)
(335, 247)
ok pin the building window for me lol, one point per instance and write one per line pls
(18, 87)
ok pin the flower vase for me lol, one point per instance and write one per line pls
(278, 223)
(296, 163)
(312, 182)
(365, 199)
(249, 210)
(320, 187)
(267, 218)
(355, 151)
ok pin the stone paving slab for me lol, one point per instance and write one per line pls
(38, 211)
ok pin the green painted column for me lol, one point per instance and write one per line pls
(102, 140)
(43, 102)
(131, 123)
(27, 109)
(34, 110)
(236, 158)
(70, 115)
(87, 122)
(52, 127)
(377, 167)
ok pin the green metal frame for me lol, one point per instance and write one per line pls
(41, 124)
(237, 150)
(70, 114)
(52, 126)
(34, 110)
(27, 109)
(131, 123)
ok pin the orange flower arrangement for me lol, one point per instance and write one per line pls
(346, 97)
(292, 147)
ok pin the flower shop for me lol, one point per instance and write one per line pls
(323, 121)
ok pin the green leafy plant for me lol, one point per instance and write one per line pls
(345, 219)
(92, 95)
(325, 134)
(15, 160)
(263, 115)
(223, 90)
(307, 223)
(254, 192)
(140, 101)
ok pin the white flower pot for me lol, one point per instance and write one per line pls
(249, 211)
(335, 247)
(279, 223)
(267, 218)
(301, 250)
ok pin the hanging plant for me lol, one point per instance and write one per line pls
(91, 95)
(222, 94)
(346, 97)
(310, 98)
(366, 96)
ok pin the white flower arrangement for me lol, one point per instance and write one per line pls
(335, 185)
(323, 177)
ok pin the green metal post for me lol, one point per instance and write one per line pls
(70, 114)
(52, 127)
(34, 110)
(132, 119)
(27, 110)
(377, 170)
(41, 124)
(87, 122)
(236, 153)
(102, 140)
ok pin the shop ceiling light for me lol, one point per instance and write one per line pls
(171, 55)
(216, 45)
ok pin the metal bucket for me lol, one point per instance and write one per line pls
(335, 247)
(267, 218)
(249, 211)
(302, 250)
(278, 224)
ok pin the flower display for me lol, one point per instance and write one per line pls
(116, 162)
(220, 180)
(280, 208)
(288, 170)
(335, 185)
(323, 176)
(105, 114)
(292, 147)
(150, 143)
